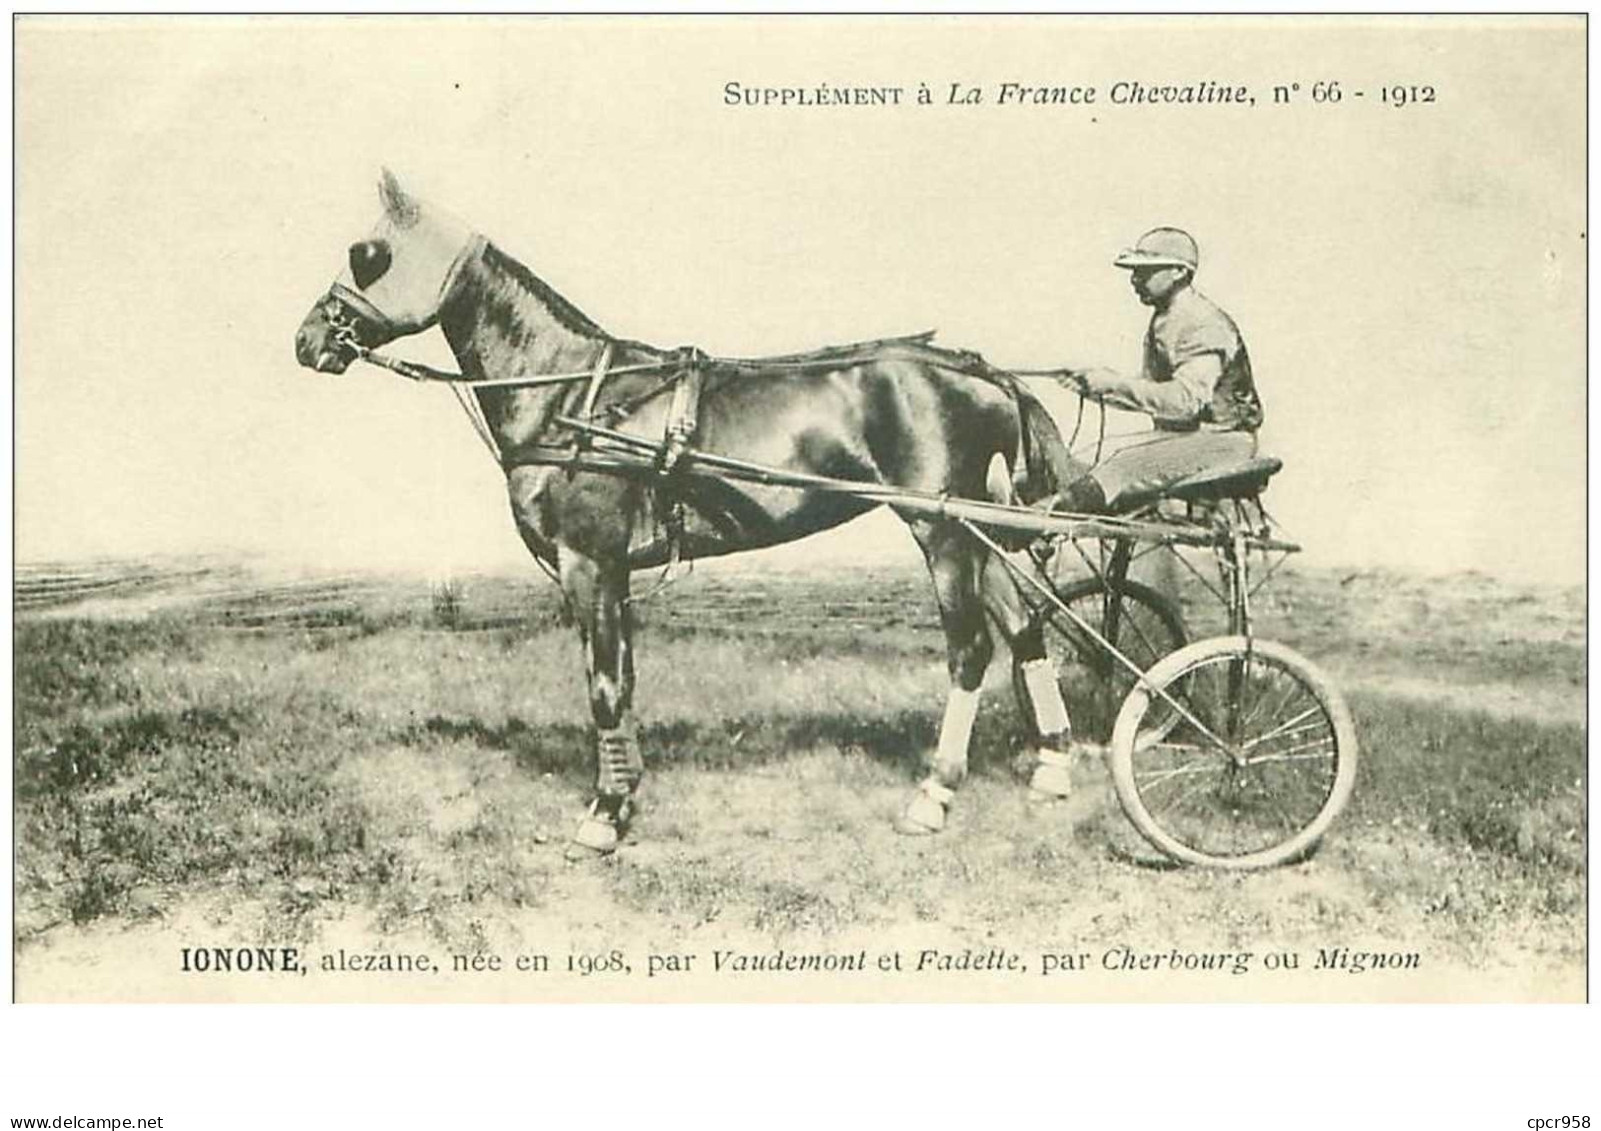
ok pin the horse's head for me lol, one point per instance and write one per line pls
(393, 282)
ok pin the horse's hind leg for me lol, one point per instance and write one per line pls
(1039, 696)
(598, 593)
(953, 560)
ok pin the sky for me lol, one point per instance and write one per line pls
(1411, 281)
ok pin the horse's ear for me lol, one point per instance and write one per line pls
(401, 208)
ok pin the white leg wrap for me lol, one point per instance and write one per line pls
(1051, 779)
(1050, 713)
(1054, 758)
(961, 708)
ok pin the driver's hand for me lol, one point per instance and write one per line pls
(1099, 381)
(1073, 379)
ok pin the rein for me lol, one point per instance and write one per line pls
(344, 329)
(677, 366)
(345, 335)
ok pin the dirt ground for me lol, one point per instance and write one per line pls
(400, 766)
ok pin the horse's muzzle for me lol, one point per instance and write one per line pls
(317, 347)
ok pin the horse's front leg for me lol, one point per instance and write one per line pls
(598, 592)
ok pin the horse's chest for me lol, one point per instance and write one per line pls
(591, 513)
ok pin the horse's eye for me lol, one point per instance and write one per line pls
(368, 262)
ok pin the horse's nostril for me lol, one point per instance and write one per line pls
(303, 350)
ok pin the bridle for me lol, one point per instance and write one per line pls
(342, 306)
(347, 304)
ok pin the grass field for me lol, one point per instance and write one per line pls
(306, 759)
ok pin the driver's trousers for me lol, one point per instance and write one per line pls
(1148, 466)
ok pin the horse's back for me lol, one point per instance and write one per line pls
(900, 411)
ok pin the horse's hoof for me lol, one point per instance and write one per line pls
(593, 837)
(1052, 779)
(1050, 782)
(925, 810)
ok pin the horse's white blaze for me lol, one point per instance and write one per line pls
(961, 708)
(1050, 713)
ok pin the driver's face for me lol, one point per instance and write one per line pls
(1154, 284)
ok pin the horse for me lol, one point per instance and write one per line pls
(898, 413)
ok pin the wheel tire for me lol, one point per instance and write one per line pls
(1093, 683)
(1246, 819)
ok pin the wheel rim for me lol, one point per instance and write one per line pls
(1271, 781)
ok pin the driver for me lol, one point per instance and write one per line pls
(1195, 383)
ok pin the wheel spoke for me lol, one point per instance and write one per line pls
(1183, 797)
(1290, 692)
(1286, 820)
(1326, 745)
(1214, 696)
(1289, 727)
(1162, 777)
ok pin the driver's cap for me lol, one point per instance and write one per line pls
(1162, 247)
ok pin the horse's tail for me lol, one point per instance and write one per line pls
(1044, 467)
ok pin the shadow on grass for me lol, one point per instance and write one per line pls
(898, 739)
(1150, 859)
(567, 749)
(563, 749)
(895, 739)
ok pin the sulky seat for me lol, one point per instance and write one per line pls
(1236, 481)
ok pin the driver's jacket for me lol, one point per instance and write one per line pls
(1191, 327)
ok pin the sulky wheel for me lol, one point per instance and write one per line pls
(1259, 762)
(1137, 620)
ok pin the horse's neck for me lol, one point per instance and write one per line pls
(503, 322)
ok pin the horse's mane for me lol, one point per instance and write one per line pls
(919, 345)
(565, 313)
